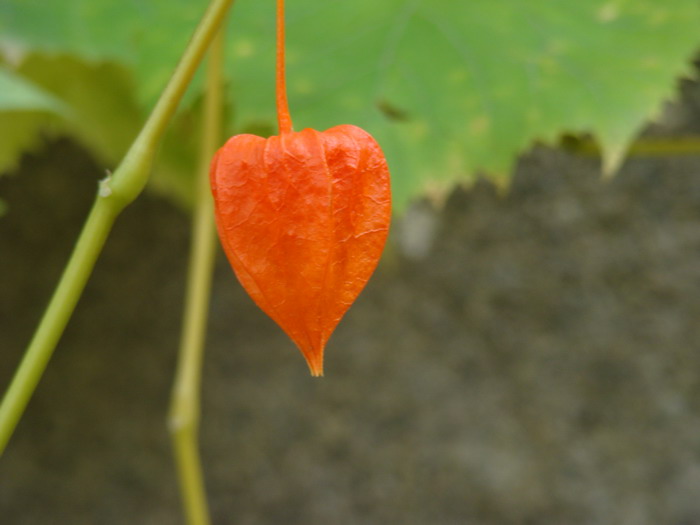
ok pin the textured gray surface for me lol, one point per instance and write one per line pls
(531, 359)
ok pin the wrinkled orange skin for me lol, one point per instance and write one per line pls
(303, 218)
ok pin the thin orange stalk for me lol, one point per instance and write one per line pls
(284, 120)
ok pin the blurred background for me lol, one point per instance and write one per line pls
(522, 358)
(523, 355)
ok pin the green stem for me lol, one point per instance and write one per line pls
(183, 419)
(75, 275)
(642, 147)
(114, 194)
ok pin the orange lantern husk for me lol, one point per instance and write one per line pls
(303, 218)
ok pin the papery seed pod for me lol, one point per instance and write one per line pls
(303, 218)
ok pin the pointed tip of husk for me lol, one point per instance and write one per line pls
(315, 362)
(316, 369)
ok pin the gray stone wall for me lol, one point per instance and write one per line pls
(529, 358)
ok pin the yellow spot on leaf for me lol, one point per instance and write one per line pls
(650, 62)
(608, 12)
(457, 76)
(658, 17)
(353, 102)
(303, 86)
(419, 130)
(243, 48)
(479, 125)
(557, 46)
(533, 115)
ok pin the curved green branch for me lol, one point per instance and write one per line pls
(114, 194)
(642, 147)
(183, 419)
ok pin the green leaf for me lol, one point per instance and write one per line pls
(447, 87)
(106, 117)
(24, 110)
(96, 103)
(17, 94)
(20, 132)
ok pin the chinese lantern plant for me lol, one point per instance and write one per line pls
(303, 218)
